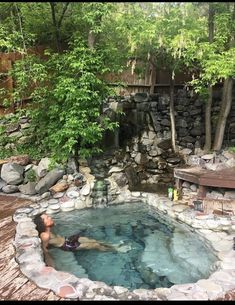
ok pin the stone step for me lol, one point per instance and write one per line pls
(65, 261)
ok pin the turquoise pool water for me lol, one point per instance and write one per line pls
(162, 252)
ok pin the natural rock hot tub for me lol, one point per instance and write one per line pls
(161, 252)
(215, 231)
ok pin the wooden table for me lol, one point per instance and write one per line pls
(205, 178)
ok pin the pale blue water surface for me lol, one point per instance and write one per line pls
(162, 252)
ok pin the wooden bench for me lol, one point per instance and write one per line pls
(205, 178)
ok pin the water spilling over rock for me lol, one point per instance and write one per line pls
(99, 194)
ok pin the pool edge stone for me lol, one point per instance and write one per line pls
(200, 290)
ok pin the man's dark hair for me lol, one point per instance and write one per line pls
(40, 226)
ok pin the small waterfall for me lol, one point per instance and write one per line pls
(99, 194)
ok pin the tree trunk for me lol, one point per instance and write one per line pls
(21, 28)
(92, 37)
(153, 75)
(207, 145)
(57, 34)
(172, 111)
(10, 85)
(91, 40)
(224, 112)
(226, 99)
(211, 22)
(56, 24)
(76, 155)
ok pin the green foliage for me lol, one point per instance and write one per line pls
(9, 145)
(32, 149)
(30, 175)
(67, 101)
(2, 130)
(12, 40)
(216, 60)
(231, 149)
(67, 90)
(27, 73)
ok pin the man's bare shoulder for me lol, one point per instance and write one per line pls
(45, 236)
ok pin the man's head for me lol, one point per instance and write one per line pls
(42, 222)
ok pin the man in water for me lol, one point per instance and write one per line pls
(44, 223)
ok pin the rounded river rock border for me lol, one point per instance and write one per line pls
(217, 231)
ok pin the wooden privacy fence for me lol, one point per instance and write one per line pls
(134, 83)
(7, 61)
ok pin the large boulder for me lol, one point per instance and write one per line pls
(50, 179)
(141, 158)
(12, 127)
(43, 166)
(115, 169)
(165, 144)
(120, 179)
(8, 189)
(71, 166)
(12, 173)
(2, 183)
(28, 188)
(132, 176)
(116, 106)
(20, 159)
(85, 190)
(86, 173)
(141, 97)
(59, 187)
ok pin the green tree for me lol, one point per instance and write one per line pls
(13, 37)
(67, 101)
(207, 145)
(57, 21)
(215, 60)
(226, 64)
(159, 33)
(67, 90)
(171, 35)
